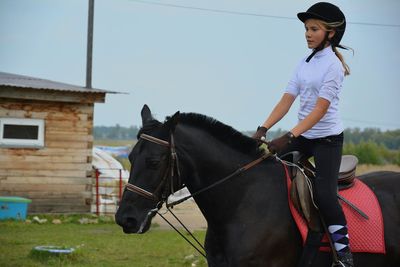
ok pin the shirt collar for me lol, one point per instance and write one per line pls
(326, 51)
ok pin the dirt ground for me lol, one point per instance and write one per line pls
(187, 212)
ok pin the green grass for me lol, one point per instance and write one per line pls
(102, 244)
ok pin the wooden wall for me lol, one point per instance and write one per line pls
(57, 177)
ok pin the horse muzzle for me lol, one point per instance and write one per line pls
(147, 221)
(131, 225)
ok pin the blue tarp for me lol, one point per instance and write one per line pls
(116, 151)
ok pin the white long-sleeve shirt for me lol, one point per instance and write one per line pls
(322, 77)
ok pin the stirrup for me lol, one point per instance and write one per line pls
(338, 264)
(345, 261)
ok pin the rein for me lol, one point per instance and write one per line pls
(237, 172)
(174, 165)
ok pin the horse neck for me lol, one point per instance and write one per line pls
(210, 161)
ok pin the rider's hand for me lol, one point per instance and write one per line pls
(279, 144)
(261, 133)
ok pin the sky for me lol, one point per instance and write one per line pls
(228, 59)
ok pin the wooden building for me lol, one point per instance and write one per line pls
(46, 142)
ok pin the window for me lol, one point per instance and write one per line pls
(21, 132)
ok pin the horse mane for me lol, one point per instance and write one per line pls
(224, 133)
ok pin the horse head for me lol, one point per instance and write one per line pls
(208, 150)
(153, 174)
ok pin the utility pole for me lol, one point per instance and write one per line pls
(89, 50)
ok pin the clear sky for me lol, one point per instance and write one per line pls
(228, 59)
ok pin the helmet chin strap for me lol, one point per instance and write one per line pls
(319, 47)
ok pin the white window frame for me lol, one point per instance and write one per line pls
(22, 143)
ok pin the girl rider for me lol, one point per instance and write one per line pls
(318, 80)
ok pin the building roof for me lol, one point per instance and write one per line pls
(21, 81)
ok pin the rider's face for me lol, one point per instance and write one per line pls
(315, 33)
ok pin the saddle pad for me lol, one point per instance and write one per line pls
(366, 235)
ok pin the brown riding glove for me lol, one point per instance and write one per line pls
(260, 133)
(279, 144)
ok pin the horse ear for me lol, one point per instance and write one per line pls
(173, 121)
(146, 114)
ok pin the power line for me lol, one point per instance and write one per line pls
(249, 13)
(212, 10)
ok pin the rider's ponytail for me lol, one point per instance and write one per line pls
(331, 27)
(341, 58)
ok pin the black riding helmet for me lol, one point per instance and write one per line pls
(329, 13)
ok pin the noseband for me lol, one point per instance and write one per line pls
(168, 175)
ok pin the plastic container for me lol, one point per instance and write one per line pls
(13, 208)
(53, 250)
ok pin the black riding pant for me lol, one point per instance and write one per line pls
(327, 153)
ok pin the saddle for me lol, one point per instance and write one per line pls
(301, 191)
(360, 206)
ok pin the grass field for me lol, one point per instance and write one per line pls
(109, 142)
(102, 244)
(366, 168)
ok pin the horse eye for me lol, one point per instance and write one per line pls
(152, 163)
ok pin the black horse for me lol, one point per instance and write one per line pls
(248, 217)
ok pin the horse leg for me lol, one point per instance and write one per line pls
(311, 248)
(215, 255)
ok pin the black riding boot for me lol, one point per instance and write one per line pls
(345, 260)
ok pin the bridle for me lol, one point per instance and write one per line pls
(169, 177)
(173, 168)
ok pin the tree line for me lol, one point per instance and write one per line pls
(116, 132)
(373, 146)
(370, 145)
